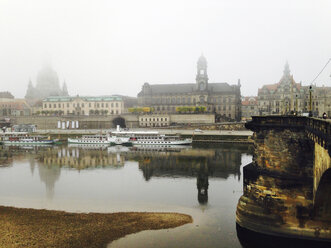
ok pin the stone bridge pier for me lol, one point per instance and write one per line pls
(292, 146)
(287, 187)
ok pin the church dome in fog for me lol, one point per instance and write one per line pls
(48, 81)
(47, 85)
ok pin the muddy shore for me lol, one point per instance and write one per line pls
(44, 228)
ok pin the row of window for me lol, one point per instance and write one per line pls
(154, 119)
(91, 112)
(172, 108)
(188, 100)
(153, 124)
(96, 105)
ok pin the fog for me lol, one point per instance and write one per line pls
(113, 47)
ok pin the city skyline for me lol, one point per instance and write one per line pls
(109, 48)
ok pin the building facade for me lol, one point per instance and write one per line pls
(288, 97)
(220, 98)
(14, 107)
(321, 100)
(82, 105)
(249, 107)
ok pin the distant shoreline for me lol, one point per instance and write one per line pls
(49, 228)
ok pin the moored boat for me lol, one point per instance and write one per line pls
(23, 138)
(109, 139)
(153, 138)
(90, 139)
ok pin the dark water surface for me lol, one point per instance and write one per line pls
(205, 183)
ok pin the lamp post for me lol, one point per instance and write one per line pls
(310, 101)
(296, 105)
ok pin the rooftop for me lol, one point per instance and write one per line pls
(84, 98)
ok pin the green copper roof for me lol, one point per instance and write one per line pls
(84, 98)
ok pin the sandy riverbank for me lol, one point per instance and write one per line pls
(43, 228)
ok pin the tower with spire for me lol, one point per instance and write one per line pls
(30, 92)
(64, 89)
(202, 76)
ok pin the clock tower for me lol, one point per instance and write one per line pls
(202, 77)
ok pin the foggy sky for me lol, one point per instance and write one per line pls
(113, 47)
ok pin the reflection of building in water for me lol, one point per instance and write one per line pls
(202, 185)
(285, 207)
(18, 153)
(6, 158)
(49, 175)
(80, 158)
(221, 163)
(199, 163)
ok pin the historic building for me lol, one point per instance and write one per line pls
(249, 107)
(280, 98)
(14, 107)
(288, 97)
(82, 105)
(10, 106)
(321, 100)
(220, 98)
(6, 94)
(47, 85)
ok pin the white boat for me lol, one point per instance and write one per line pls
(109, 139)
(23, 138)
(90, 139)
(152, 138)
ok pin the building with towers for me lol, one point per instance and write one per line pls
(289, 97)
(202, 96)
(47, 85)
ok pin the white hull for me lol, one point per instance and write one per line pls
(162, 142)
(28, 142)
(88, 141)
(109, 141)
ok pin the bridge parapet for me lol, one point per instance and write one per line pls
(318, 130)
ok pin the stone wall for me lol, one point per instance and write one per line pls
(192, 118)
(284, 151)
(85, 122)
(322, 162)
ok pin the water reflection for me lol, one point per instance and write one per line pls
(274, 206)
(172, 162)
(202, 182)
(81, 158)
